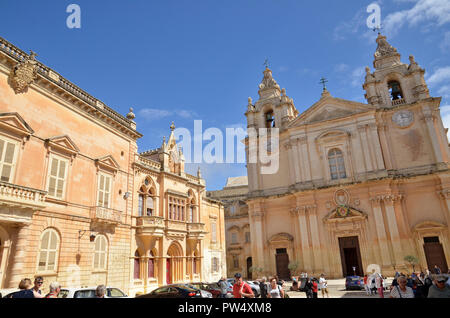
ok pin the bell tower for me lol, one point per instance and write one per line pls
(274, 109)
(393, 83)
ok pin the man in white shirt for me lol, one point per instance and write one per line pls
(323, 285)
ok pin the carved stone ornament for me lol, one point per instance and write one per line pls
(24, 73)
(341, 197)
(403, 118)
(384, 48)
(268, 81)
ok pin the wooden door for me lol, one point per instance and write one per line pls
(434, 254)
(282, 263)
(249, 265)
(350, 256)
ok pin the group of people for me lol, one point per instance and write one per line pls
(420, 286)
(29, 290)
(311, 285)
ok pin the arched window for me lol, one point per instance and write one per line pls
(137, 266)
(141, 205)
(337, 166)
(395, 90)
(151, 265)
(100, 252)
(48, 252)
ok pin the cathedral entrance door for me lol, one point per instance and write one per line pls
(282, 261)
(434, 253)
(350, 256)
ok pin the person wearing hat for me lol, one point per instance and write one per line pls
(439, 289)
(241, 289)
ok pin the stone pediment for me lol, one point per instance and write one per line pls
(108, 162)
(344, 214)
(329, 108)
(15, 123)
(63, 143)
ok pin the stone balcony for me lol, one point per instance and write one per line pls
(101, 215)
(18, 203)
(195, 230)
(150, 226)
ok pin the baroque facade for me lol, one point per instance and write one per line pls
(79, 204)
(359, 186)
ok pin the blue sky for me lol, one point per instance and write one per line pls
(176, 60)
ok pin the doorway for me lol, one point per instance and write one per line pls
(168, 273)
(434, 253)
(282, 263)
(249, 266)
(350, 256)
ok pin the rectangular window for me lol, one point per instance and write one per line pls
(213, 232)
(233, 238)
(57, 177)
(235, 261)
(149, 206)
(7, 159)
(104, 189)
(247, 237)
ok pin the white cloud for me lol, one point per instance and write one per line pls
(445, 45)
(340, 68)
(155, 113)
(444, 91)
(435, 12)
(440, 75)
(357, 77)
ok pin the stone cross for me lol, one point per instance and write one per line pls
(323, 81)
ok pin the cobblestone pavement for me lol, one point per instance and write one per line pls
(336, 289)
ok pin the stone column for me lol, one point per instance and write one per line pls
(365, 147)
(257, 216)
(429, 120)
(317, 251)
(381, 231)
(296, 161)
(18, 260)
(382, 128)
(393, 228)
(376, 146)
(306, 252)
(304, 158)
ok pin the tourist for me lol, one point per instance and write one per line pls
(401, 290)
(308, 288)
(437, 270)
(241, 289)
(223, 287)
(26, 290)
(323, 285)
(371, 282)
(263, 287)
(367, 285)
(275, 290)
(38, 281)
(294, 286)
(439, 289)
(315, 287)
(100, 291)
(379, 284)
(55, 288)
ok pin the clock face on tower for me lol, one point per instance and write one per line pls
(403, 118)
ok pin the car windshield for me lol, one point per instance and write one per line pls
(63, 293)
(115, 292)
(88, 293)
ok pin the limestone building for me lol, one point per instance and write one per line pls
(358, 184)
(79, 204)
(237, 226)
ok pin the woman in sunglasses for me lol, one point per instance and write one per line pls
(401, 290)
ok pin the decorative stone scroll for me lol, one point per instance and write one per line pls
(24, 73)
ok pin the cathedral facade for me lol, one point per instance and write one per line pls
(80, 205)
(359, 186)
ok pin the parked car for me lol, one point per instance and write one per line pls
(213, 288)
(254, 285)
(354, 282)
(173, 291)
(203, 292)
(89, 292)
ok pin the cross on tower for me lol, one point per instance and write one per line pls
(266, 63)
(378, 28)
(323, 81)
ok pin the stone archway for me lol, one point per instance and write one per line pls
(174, 264)
(282, 249)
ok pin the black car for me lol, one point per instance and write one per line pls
(173, 291)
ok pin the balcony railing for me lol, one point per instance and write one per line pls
(23, 197)
(150, 225)
(397, 102)
(178, 226)
(196, 230)
(105, 215)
